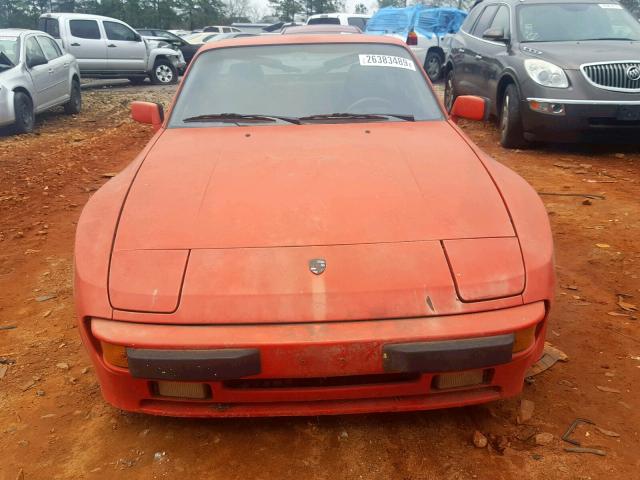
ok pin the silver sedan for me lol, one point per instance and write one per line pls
(35, 75)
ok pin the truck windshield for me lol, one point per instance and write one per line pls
(572, 22)
(8, 51)
(320, 83)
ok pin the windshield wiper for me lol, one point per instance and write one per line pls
(239, 118)
(609, 38)
(359, 116)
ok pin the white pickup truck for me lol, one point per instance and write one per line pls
(108, 48)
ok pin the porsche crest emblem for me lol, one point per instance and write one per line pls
(317, 265)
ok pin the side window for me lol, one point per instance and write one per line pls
(226, 29)
(485, 20)
(501, 20)
(33, 50)
(234, 29)
(467, 25)
(357, 22)
(84, 29)
(50, 48)
(118, 31)
(50, 26)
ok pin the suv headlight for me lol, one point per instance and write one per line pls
(545, 73)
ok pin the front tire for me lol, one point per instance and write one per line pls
(449, 91)
(433, 65)
(511, 131)
(164, 73)
(74, 105)
(25, 116)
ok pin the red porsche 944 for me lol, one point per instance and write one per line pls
(307, 233)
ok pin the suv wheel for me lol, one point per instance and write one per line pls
(449, 92)
(74, 105)
(25, 116)
(164, 73)
(433, 65)
(511, 134)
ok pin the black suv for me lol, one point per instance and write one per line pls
(555, 70)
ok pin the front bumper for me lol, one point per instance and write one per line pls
(7, 112)
(590, 120)
(316, 369)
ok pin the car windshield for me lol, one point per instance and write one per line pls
(8, 51)
(320, 83)
(572, 22)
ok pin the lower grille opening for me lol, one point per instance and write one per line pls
(321, 382)
(613, 122)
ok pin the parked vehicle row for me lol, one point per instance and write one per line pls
(35, 75)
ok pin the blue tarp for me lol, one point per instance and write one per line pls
(424, 20)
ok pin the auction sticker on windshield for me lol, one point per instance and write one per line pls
(386, 61)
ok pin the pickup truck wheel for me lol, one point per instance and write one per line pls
(449, 92)
(74, 105)
(25, 116)
(511, 132)
(433, 66)
(164, 73)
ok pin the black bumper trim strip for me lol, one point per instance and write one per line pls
(194, 365)
(448, 355)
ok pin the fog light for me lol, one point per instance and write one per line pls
(524, 339)
(458, 379)
(198, 391)
(546, 107)
(115, 354)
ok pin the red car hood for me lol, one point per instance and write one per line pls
(220, 226)
(274, 186)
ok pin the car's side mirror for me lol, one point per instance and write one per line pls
(470, 107)
(137, 37)
(495, 35)
(36, 60)
(147, 112)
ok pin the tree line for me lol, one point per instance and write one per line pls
(191, 14)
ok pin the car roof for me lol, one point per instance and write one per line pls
(339, 15)
(80, 16)
(319, 29)
(17, 32)
(302, 40)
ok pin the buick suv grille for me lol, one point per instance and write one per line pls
(617, 76)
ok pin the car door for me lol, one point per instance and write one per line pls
(41, 74)
(474, 52)
(492, 53)
(458, 51)
(126, 51)
(88, 45)
(58, 68)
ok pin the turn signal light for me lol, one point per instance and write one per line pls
(412, 38)
(115, 355)
(524, 339)
(198, 391)
(459, 379)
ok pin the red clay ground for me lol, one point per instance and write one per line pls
(54, 423)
